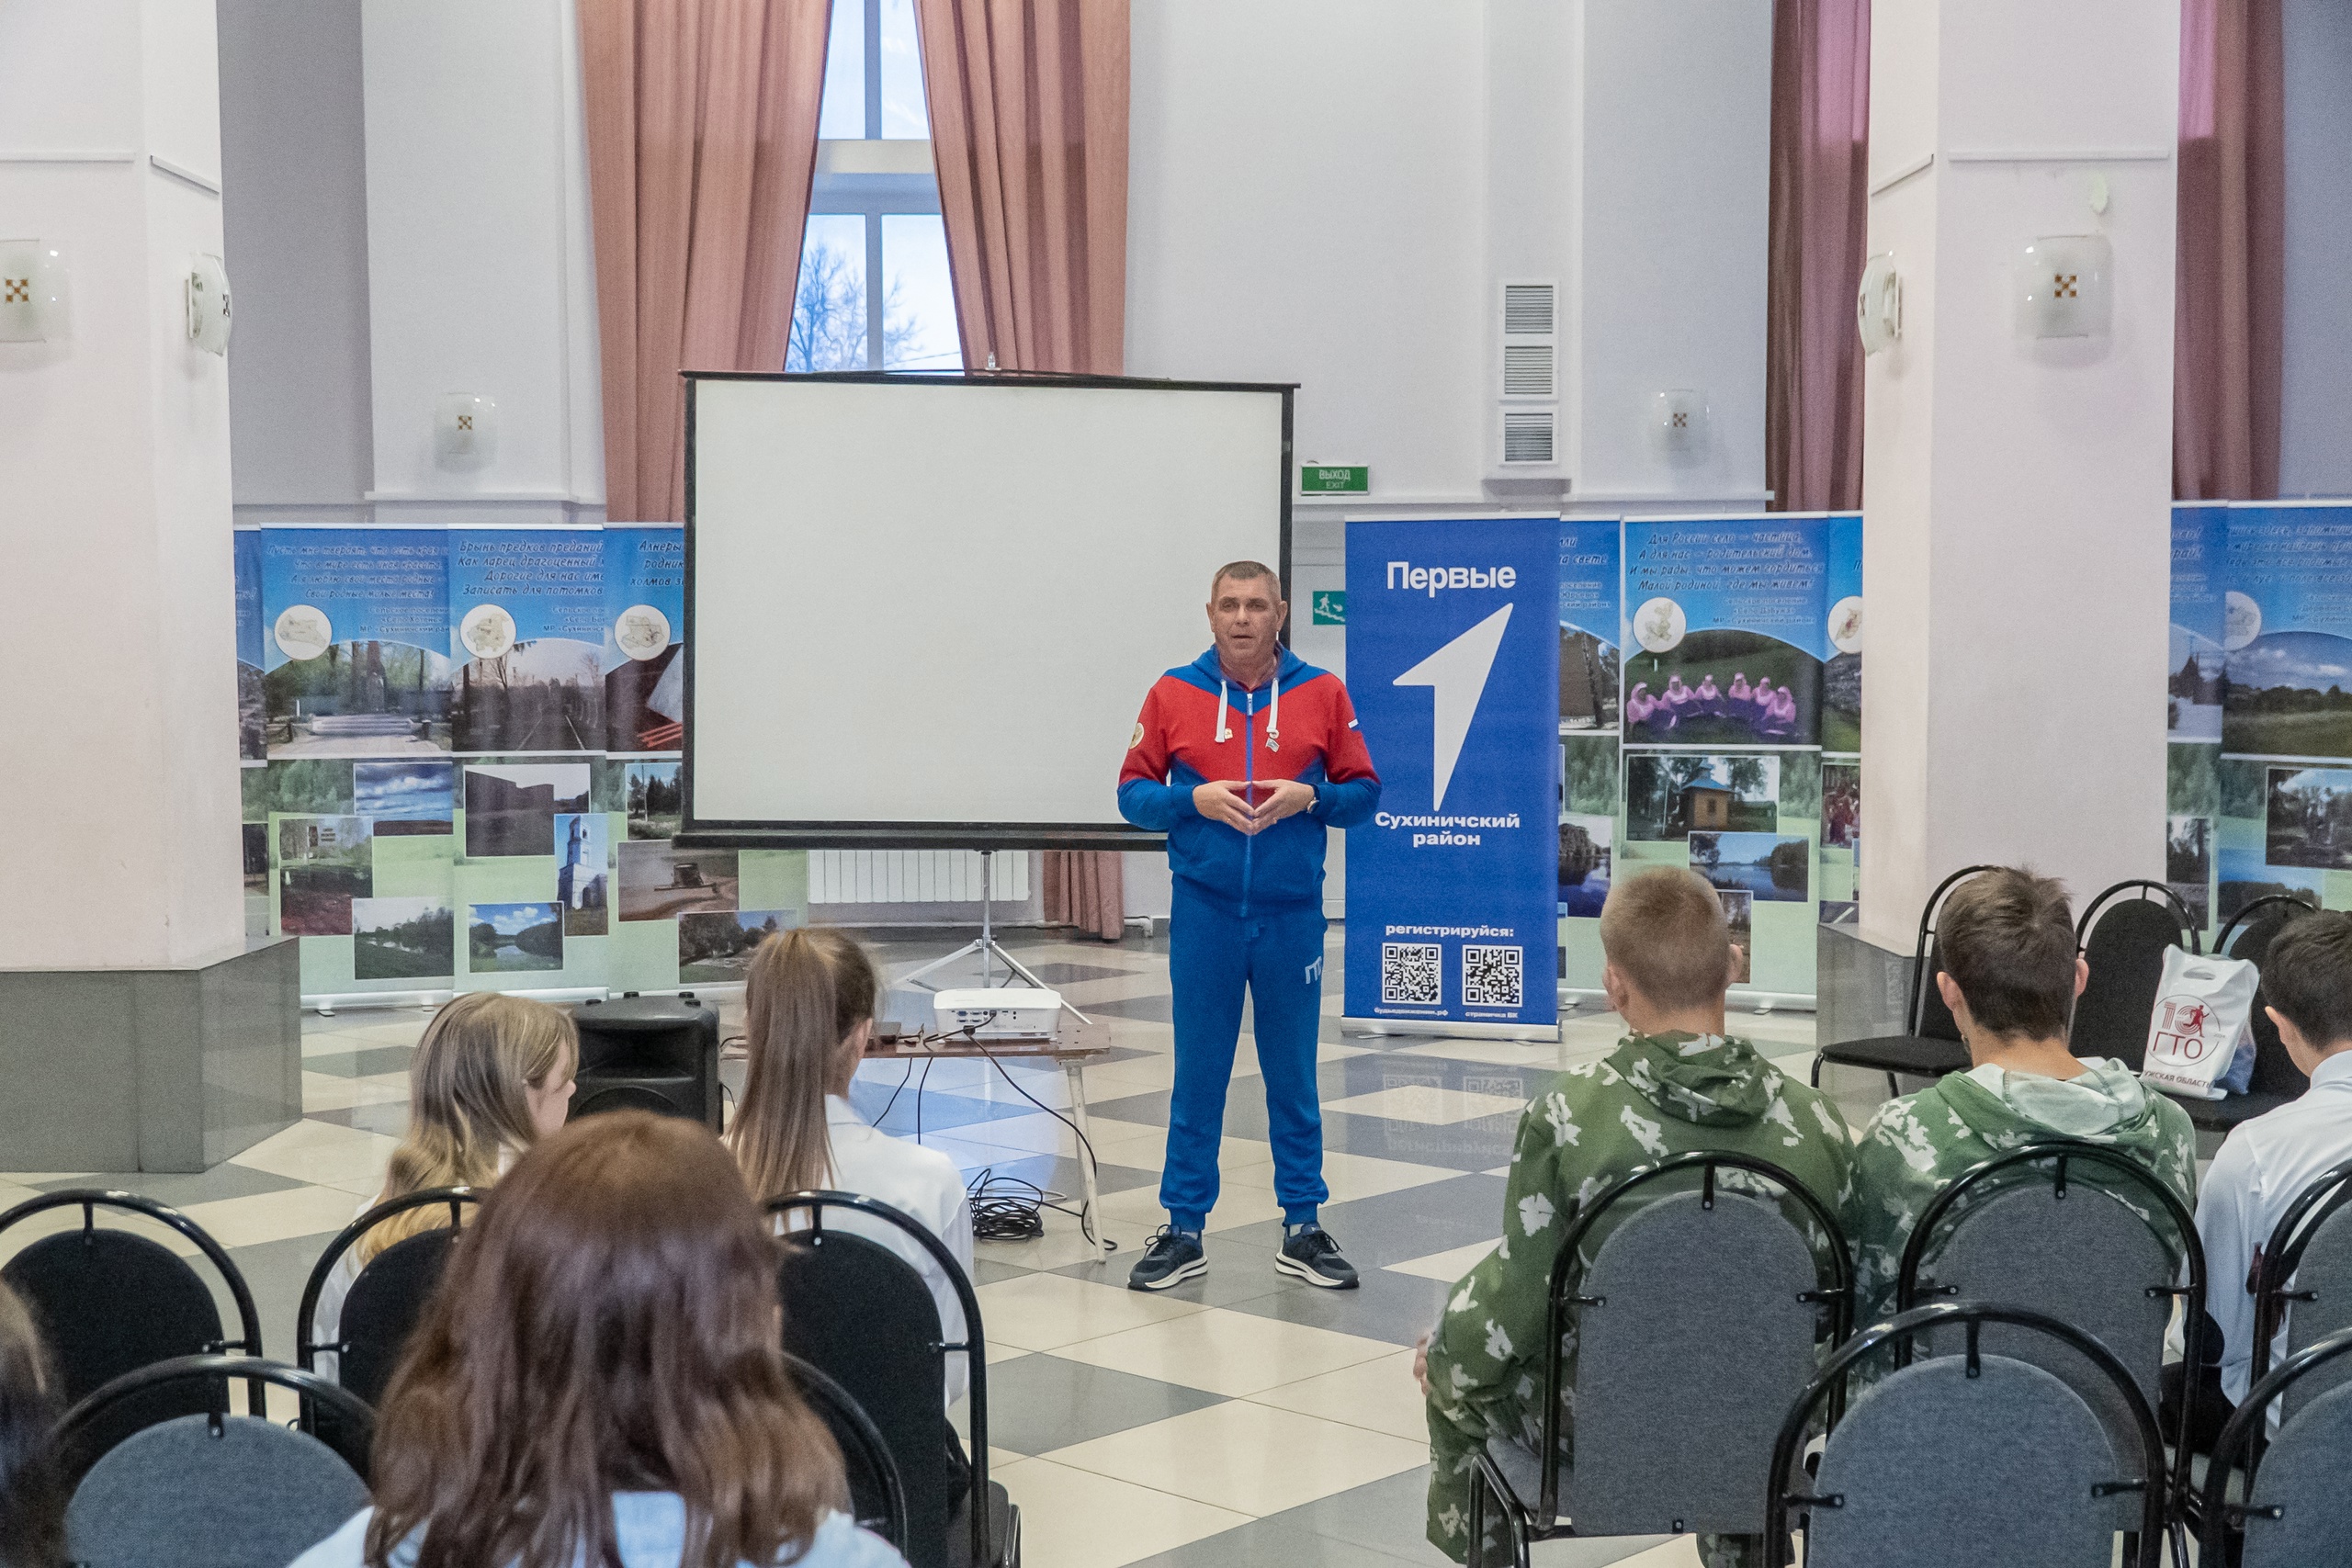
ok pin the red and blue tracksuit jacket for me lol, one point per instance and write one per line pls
(1196, 726)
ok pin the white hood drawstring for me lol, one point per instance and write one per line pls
(1273, 714)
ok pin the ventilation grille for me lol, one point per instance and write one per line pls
(1526, 436)
(1527, 308)
(1527, 370)
(912, 876)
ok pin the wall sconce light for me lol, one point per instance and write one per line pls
(1679, 416)
(36, 295)
(2065, 287)
(206, 290)
(1878, 304)
(464, 430)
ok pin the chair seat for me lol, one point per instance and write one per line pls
(2221, 1115)
(1004, 1530)
(1516, 1464)
(1916, 1055)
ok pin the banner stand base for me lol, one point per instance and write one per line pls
(1534, 1033)
(1574, 999)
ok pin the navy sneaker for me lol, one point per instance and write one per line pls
(1311, 1254)
(1171, 1258)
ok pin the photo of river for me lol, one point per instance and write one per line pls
(1765, 865)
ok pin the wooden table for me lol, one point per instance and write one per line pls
(1072, 1044)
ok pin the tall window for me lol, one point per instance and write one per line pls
(874, 291)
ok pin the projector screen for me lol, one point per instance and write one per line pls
(922, 612)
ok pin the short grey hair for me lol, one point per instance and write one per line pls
(1243, 571)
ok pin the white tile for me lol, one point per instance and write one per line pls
(327, 1091)
(1227, 1352)
(321, 1151)
(1683, 1551)
(1450, 1265)
(1044, 1312)
(1351, 1176)
(276, 1217)
(1429, 1104)
(1379, 1396)
(1077, 1519)
(68, 1217)
(1225, 1455)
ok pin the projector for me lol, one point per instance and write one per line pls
(1004, 1012)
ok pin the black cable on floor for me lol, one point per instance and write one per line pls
(1085, 1222)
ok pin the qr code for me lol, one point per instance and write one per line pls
(1409, 972)
(1490, 977)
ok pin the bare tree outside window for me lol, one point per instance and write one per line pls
(829, 316)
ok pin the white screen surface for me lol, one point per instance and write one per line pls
(940, 603)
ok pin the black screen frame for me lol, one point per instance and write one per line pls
(699, 832)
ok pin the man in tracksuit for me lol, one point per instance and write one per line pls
(1243, 758)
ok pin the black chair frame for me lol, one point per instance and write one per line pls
(833, 1399)
(89, 1199)
(2239, 921)
(1830, 1382)
(2245, 1436)
(2283, 1254)
(1915, 1004)
(2164, 894)
(218, 1372)
(1568, 1268)
(973, 1345)
(306, 1349)
(1910, 1287)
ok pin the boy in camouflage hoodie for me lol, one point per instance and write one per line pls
(2011, 977)
(1673, 1085)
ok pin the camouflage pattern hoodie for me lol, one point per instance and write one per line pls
(1917, 1145)
(1654, 1097)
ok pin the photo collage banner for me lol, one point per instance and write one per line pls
(1711, 717)
(2258, 789)
(460, 749)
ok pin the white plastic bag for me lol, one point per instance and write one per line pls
(2204, 1017)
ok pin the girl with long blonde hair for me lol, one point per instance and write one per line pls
(809, 1003)
(491, 1075)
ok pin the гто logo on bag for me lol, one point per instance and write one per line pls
(2180, 1029)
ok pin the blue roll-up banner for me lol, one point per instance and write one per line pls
(1454, 662)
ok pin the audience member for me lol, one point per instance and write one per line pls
(809, 1011)
(33, 1504)
(2265, 1163)
(1676, 1083)
(493, 1074)
(2011, 977)
(598, 1381)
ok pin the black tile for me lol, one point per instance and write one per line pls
(1076, 973)
(1042, 1402)
(223, 1180)
(1276, 1542)
(988, 1271)
(1141, 1009)
(275, 1272)
(1239, 1271)
(1398, 1308)
(390, 1118)
(1395, 1227)
(1061, 1173)
(1390, 1515)
(930, 1109)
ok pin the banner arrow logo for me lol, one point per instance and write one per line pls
(1456, 677)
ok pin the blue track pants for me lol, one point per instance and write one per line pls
(1211, 955)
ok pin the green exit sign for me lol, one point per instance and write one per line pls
(1335, 478)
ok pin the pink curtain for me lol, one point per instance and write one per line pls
(1812, 356)
(702, 141)
(1028, 103)
(2230, 309)
(1029, 127)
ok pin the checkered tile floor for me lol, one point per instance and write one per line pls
(1241, 1419)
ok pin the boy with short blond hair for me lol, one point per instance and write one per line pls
(1676, 1083)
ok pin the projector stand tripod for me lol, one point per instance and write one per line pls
(985, 945)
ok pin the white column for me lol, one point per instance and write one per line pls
(119, 713)
(2016, 490)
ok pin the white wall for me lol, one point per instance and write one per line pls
(114, 512)
(479, 255)
(2315, 438)
(295, 188)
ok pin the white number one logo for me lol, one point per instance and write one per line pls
(1456, 676)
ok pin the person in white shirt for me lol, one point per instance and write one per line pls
(810, 1004)
(2266, 1163)
(491, 1075)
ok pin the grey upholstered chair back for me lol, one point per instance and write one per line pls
(1933, 1468)
(204, 1492)
(1694, 1349)
(2087, 1259)
(2323, 1275)
(2302, 1475)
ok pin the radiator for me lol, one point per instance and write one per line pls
(913, 876)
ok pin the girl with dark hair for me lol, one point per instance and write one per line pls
(33, 1504)
(809, 1011)
(597, 1381)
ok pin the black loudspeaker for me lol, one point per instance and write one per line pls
(648, 1053)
